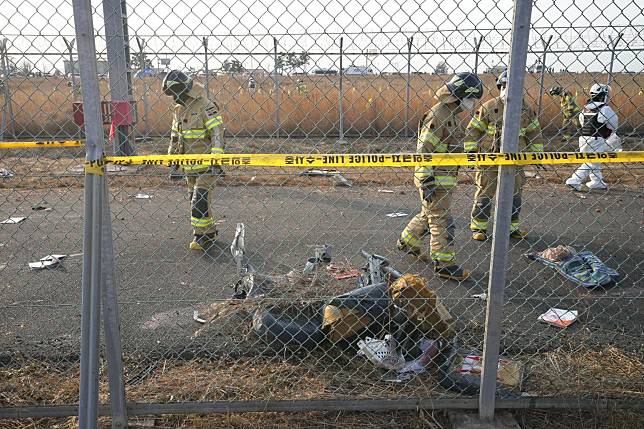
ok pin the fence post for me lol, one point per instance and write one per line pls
(613, 46)
(340, 97)
(7, 110)
(114, 13)
(277, 90)
(205, 54)
(477, 47)
(88, 397)
(410, 42)
(546, 45)
(144, 96)
(503, 209)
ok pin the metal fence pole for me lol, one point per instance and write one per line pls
(545, 44)
(503, 209)
(88, 398)
(613, 46)
(410, 42)
(277, 90)
(144, 96)
(341, 96)
(205, 54)
(7, 111)
(477, 47)
(118, 58)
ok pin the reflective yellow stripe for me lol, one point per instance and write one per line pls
(445, 181)
(194, 167)
(410, 240)
(514, 226)
(478, 225)
(535, 147)
(470, 146)
(193, 134)
(534, 125)
(477, 123)
(442, 256)
(423, 172)
(440, 148)
(203, 222)
(427, 136)
(491, 130)
(214, 122)
(522, 132)
(216, 150)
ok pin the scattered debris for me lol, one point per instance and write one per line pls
(429, 350)
(559, 317)
(340, 179)
(38, 207)
(342, 272)
(3, 266)
(510, 372)
(5, 174)
(581, 197)
(49, 261)
(481, 296)
(237, 247)
(583, 268)
(13, 220)
(382, 353)
(397, 214)
(197, 318)
(142, 196)
(385, 191)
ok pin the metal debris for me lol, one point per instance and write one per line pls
(5, 174)
(397, 214)
(13, 220)
(142, 196)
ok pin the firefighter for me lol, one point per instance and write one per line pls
(569, 109)
(484, 135)
(301, 87)
(437, 132)
(197, 127)
(598, 123)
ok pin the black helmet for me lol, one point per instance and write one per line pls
(465, 85)
(556, 90)
(176, 83)
(502, 80)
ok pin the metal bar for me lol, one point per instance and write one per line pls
(8, 122)
(144, 96)
(205, 52)
(613, 47)
(477, 47)
(277, 90)
(340, 97)
(546, 44)
(326, 405)
(91, 280)
(503, 209)
(118, 59)
(410, 42)
(111, 318)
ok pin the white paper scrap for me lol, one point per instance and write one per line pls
(397, 214)
(559, 317)
(13, 220)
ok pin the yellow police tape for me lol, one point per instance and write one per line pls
(377, 160)
(41, 144)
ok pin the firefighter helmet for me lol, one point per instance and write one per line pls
(599, 92)
(465, 85)
(502, 80)
(176, 83)
(556, 90)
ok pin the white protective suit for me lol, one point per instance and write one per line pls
(598, 122)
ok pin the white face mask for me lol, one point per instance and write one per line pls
(467, 103)
(503, 93)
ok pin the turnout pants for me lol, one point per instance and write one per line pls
(486, 181)
(201, 188)
(434, 219)
(569, 127)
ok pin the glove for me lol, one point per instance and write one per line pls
(428, 188)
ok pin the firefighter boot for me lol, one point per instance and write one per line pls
(414, 251)
(450, 271)
(203, 242)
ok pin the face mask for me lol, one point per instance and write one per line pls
(467, 103)
(503, 93)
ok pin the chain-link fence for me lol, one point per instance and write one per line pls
(260, 281)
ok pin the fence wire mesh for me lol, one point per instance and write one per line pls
(279, 315)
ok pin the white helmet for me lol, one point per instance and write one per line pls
(599, 92)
